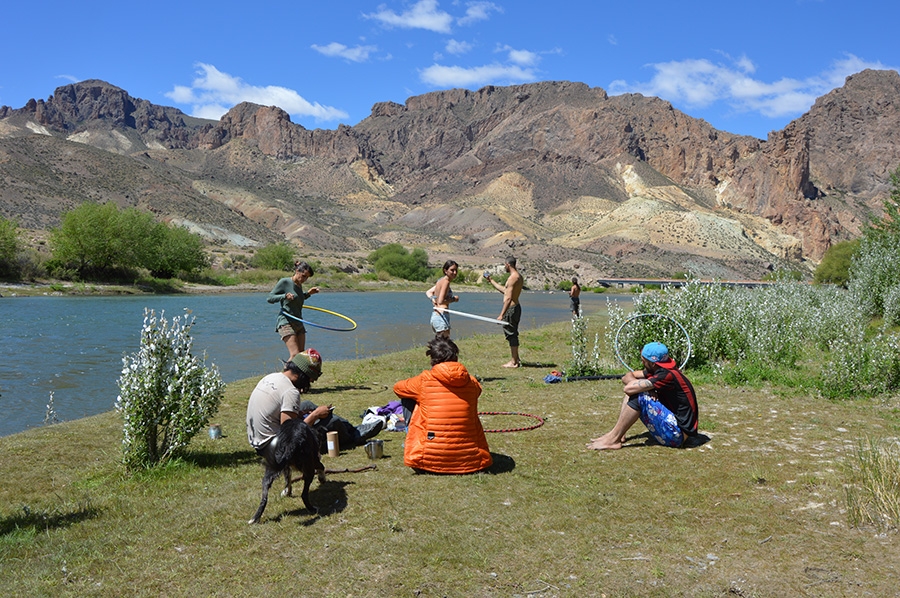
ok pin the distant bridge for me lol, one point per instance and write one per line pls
(674, 282)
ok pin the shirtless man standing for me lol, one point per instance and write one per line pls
(575, 296)
(511, 312)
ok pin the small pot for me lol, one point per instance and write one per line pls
(375, 449)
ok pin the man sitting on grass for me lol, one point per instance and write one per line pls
(276, 399)
(660, 396)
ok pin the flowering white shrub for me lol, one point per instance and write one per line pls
(582, 362)
(50, 416)
(862, 367)
(768, 325)
(874, 272)
(892, 306)
(751, 332)
(167, 395)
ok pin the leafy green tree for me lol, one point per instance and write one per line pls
(98, 239)
(386, 250)
(174, 249)
(88, 238)
(397, 261)
(835, 265)
(9, 248)
(279, 256)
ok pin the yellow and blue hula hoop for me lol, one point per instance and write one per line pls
(327, 311)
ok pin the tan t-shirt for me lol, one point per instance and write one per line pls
(274, 393)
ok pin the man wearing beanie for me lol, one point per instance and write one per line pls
(276, 399)
(660, 396)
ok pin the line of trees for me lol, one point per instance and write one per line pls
(100, 241)
(9, 248)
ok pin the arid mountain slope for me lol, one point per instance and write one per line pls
(557, 172)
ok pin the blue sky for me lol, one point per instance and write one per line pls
(745, 67)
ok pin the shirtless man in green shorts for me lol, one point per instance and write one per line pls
(511, 311)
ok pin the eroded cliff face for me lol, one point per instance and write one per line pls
(542, 166)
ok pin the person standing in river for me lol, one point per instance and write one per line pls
(288, 292)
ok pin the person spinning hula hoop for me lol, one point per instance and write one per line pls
(289, 293)
(442, 296)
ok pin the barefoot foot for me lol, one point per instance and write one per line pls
(604, 442)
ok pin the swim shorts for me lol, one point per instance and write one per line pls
(659, 420)
(511, 327)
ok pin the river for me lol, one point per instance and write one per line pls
(73, 346)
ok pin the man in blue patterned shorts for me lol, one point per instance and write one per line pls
(660, 396)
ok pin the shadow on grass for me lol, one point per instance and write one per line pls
(328, 498)
(648, 440)
(41, 521)
(205, 459)
(348, 387)
(536, 364)
(501, 464)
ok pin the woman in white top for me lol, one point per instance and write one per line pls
(442, 296)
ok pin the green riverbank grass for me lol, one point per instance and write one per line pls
(757, 511)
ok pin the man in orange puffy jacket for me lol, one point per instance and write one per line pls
(444, 433)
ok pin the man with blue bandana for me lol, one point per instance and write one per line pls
(660, 396)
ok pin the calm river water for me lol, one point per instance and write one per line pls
(73, 346)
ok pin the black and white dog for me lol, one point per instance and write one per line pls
(295, 446)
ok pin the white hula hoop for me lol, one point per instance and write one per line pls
(465, 315)
(671, 319)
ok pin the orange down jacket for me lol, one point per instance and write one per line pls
(444, 433)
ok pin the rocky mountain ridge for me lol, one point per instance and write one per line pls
(557, 172)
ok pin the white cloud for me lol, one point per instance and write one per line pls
(613, 41)
(699, 83)
(746, 65)
(519, 67)
(357, 54)
(70, 78)
(457, 47)
(457, 76)
(478, 11)
(213, 93)
(521, 57)
(423, 15)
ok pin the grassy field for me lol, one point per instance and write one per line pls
(759, 510)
